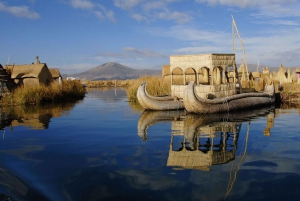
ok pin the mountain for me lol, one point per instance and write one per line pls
(114, 71)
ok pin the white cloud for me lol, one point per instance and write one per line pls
(179, 17)
(135, 58)
(272, 8)
(129, 53)
(73, 68)
(152, 10)
(97, 9)
(269, 46)
(82, 4)
(19, 11)
(104, 13)
(126, 4)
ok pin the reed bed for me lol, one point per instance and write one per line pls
(156, 86)
(38, 94)
(291, 88)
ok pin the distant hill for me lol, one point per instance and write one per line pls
(112, 71)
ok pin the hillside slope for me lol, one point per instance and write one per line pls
(112, 70)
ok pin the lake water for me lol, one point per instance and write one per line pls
(103, 148)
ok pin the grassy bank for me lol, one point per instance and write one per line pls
(55, 93)
(156, 86)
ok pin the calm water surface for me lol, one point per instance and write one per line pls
(102, 148)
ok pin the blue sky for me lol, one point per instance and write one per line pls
(76, 35)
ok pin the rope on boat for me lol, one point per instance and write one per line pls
(226, 101)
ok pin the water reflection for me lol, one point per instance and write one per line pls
(32, 116)
(200, 141)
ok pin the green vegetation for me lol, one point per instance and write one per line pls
(55, 93)
(156, 86)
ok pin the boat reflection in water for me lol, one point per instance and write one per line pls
(204, 140)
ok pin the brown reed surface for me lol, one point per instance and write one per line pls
(291, 88)
(156, 86)
(38, 94)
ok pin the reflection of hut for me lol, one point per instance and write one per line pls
(212, 73)
(30, 74)
(204, 146)
(270, 124)
(56, 76)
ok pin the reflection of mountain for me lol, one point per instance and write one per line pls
(35, 117)
(206, 140)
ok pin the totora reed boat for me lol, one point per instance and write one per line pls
(237, 102)
(149, 102)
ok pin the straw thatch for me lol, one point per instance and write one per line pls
(283, 76)
(6, 83)
(56, 76)
(32, 74)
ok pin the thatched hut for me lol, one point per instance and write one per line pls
(56, 76)
(6, 84)
(30, 74)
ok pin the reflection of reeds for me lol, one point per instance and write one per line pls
(40, 94)
(156, 86)
(107, 83)
(35, 116)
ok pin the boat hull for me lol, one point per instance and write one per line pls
(238, 102)
(149, 102)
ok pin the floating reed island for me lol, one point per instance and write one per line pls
(36, 84)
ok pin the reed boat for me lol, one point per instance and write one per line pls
(237, 102)
(149, 102)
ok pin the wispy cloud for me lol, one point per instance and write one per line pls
(131, 52)
(271, 8)
(135, 58)
(19, 11)
(127, 4)
(153, 10)
(268, 46)
(97, 9)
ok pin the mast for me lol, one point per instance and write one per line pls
(236, 32)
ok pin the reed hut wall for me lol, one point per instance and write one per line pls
(32, 74)
(55, 73)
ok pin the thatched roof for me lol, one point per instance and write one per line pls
(55, 72)
(25, 71)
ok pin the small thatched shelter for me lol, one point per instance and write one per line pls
(30, 74)
(56, 76)
(6, 84)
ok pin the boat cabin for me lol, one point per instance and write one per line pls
(213, 74)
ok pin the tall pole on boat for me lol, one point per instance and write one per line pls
(235, 30)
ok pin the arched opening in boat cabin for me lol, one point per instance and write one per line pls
(230, 74)
(217, 75)
(203, 76)
(177, 76)
(190, 75)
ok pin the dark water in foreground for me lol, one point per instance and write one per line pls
(101, 148)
